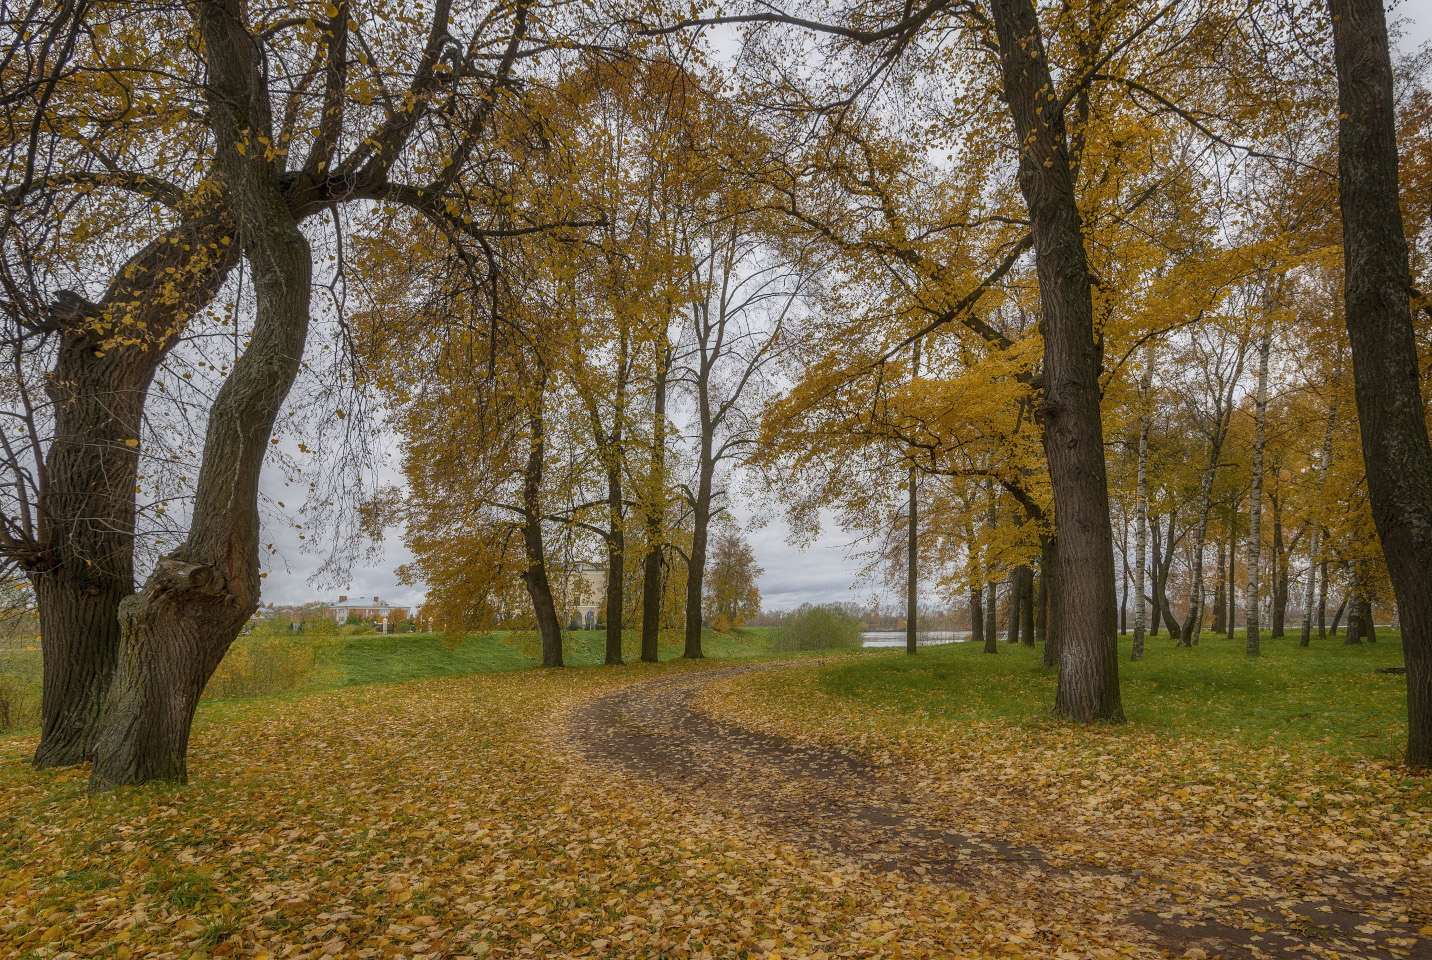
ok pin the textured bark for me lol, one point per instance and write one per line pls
(1337, 617)
(651, 587)
(82, 563)
(178, 627)
(1395, 448)
(1253, 597)
(1073, 432)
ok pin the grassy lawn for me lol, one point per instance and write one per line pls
(286, 666)
(1328, 697)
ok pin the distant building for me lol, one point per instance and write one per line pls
(361, 607)
(586, 591)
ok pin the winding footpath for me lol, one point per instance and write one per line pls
(848, 808)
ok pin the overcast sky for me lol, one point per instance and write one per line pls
(824, 571)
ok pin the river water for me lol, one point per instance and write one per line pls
(896, 638)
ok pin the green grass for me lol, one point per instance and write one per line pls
(397, 658)
(1328, 698)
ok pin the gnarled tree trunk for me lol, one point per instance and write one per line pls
(83, 566)
(178, 627)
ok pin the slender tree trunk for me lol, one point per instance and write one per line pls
(1049, 559)
(1322, 600)
(1253, 598)
(177, 628)
(1088, 686)
(1194, 624)
(1369, 625)
(1124, 604)
(1337, 617)
(1306, 637)
(1220, 625)
(912, 541)
(539, 587)
(1026, 605)
(616, 568)
(912, 560)
(695, 574)
(976, 612)
(1314, 543)
(652, 581)
(1154, 578)
(991, 626)
(1280, 572)
(1041, 605)
(1016, 588)
(1232, 585)
(1355, 625)
(1395, 447)
(1141, 508)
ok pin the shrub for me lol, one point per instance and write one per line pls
(17, 707)
(818, 628)
(261, 666)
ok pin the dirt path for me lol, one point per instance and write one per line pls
(843, 806)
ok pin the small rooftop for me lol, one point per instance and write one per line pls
(361, 602)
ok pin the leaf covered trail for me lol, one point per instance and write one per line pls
(460, 817)
(1109, 825)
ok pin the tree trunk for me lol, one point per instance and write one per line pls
(1073, 434)
(912, 560)
(1395, 448)
(83, 565)
(1306, 637)
(655, 517)
(1252, 599)
(1337, 617)
(991, 626)
(1041, 606)
(1230, 621)
(616, 567)
(1016, 597)
(1049, 558)
(1322, 600)
(1220, 623)
(976, 613)
(1355, 625)
(1141, 510)
(177, 628)
(1026, 606)
(1369, 626)
(695, 574)
(1193, 623)
(1280, 571)
(1314, 544)
(539, 587)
